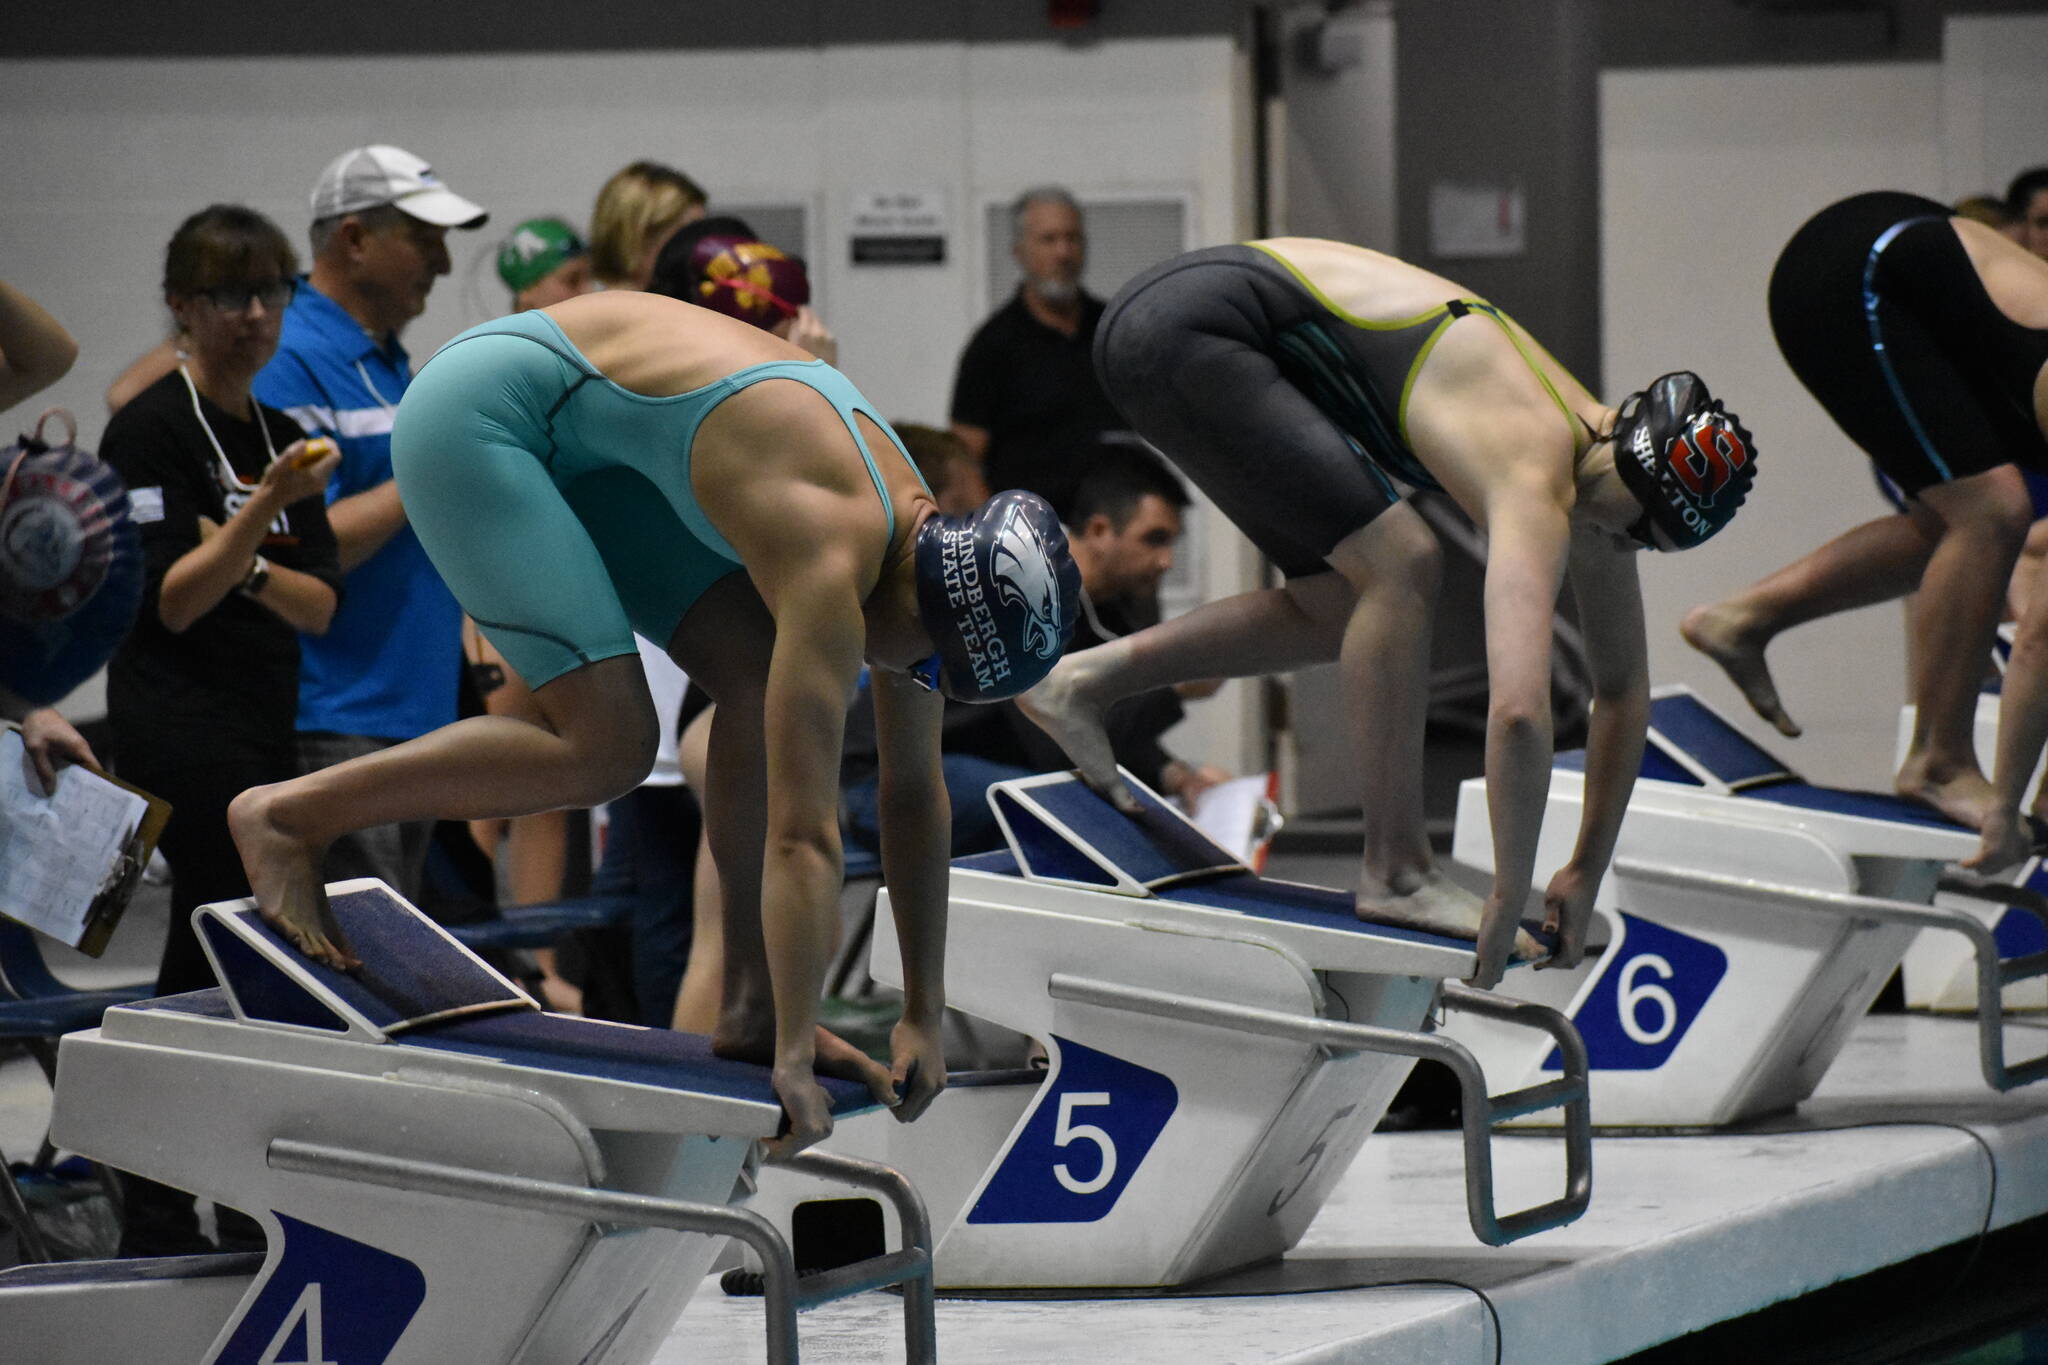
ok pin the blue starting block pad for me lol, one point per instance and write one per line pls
(1749, 920)
(443, 1170)
(1692, 745)
(414, 972)
(1220, 1047)
(1062, 831)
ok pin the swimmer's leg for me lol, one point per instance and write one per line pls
(2009, 836)
(1981, 522)
(1394, 566)
(598, 743)
(1253, 633)
(520, 562)
(697, 998)
(1875, 562)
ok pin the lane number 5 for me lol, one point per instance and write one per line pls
(1067, 1131)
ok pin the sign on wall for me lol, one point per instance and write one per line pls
(1467, 221)
(899, 227)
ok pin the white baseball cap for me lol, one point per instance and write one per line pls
(371, 177)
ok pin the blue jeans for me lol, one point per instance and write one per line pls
(650, 852)
(968, 779)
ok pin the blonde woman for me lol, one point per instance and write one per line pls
(638, 210)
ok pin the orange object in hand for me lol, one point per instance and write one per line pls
(317, 449)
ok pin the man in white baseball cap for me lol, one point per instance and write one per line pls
(386, 669)
(371, 177)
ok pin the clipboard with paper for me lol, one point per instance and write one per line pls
(70, 861)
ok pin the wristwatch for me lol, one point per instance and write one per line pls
(259, 574)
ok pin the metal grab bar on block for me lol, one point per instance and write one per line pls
(1993, 972)
(1481, 1112)
(783, 1298)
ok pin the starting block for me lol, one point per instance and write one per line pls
(1749, 920)
(443, 1171)
(1939, 971)
(1219, 1044)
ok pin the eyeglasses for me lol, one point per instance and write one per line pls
(234, 298)
(925, 673)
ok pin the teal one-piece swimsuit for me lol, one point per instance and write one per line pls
(557, 505)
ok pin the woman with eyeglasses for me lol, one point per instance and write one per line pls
(238, 560)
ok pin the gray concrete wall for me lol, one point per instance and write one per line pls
(1507, 95)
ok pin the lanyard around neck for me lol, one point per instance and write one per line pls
(235, 481)
(375, 393)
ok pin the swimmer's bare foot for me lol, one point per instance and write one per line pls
(1719, 632)
(1434, 904)
(284, 874)
(2007, 843)
(1060, 707)
(1958, 791)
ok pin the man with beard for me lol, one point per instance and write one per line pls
(1026, 400)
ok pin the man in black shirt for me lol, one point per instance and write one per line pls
(1025, 399)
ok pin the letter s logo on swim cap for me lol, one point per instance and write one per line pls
(1707, 457)
(1021, 566)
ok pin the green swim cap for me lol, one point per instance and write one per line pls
(535, 250)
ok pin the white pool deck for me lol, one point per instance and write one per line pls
(1684, 1232)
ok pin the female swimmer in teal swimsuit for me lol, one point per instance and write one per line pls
(624, 462)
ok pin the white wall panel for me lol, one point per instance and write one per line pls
(1994, 99)
(1705, 176)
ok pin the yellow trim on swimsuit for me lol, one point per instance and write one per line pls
(1444, 314)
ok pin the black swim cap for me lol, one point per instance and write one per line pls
(1688, 460)
(999, 593)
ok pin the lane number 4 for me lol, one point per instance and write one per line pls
(306, 1310)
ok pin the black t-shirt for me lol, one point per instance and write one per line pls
(237, 666)
(1033, 389)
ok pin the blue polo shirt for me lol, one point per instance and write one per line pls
(387, 665)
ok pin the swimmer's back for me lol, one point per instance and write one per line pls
(1365, 283)
(1373, 287)
(2014, 277)
(659, 347)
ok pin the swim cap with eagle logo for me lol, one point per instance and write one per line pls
(1688, 460)
(999, 593)
(718, 263)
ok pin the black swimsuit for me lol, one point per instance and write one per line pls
(1880, 313)
(1289, 413)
